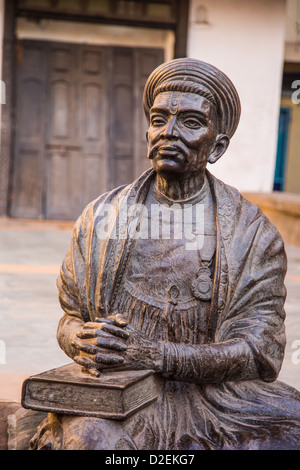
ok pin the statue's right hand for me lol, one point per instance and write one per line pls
(101, 342)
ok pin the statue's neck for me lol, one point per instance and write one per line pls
(180, 189)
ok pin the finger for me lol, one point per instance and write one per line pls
(92, 325)
(90, 371)
(91, 333)
(105, 320)
(111, 343)
(119, 319)
(115, 330)
(89, 326)
(84, 361)
(108, 359)
(86, 347)
(106, 328)
(102, 342)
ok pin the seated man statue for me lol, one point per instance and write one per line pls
(205, 313)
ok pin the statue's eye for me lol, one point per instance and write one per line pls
(192, 123)
(157, 121)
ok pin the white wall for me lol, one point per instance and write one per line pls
(2, 85)
(292, 44)
(245, 39)
(1, 34)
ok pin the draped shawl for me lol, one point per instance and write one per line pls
(249, 292)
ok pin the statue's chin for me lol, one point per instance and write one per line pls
(168, 167)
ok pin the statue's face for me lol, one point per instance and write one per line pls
(182, 133)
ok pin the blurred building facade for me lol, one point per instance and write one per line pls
(288, 155)
(72, 125)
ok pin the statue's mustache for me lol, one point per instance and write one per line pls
(154, 149)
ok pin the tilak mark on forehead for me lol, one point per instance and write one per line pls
(175, 98)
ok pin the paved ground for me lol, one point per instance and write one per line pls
(30, 256)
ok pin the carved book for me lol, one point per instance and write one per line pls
(113, 395)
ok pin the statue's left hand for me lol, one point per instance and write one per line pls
(141, 352)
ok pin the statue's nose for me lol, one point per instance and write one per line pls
(170, 129)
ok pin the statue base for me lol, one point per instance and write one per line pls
(112, 395)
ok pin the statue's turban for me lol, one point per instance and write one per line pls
(194, 76)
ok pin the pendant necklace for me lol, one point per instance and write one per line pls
(202, 286)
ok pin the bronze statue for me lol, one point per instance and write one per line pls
(207, 316)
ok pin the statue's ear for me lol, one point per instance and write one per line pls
(147, 136)
(220, 148)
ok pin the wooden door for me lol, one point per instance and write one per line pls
(29, 154)
(76, 131)
(129, 69)
(80, 125)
